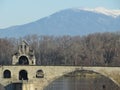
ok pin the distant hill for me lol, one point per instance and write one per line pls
(69, 22)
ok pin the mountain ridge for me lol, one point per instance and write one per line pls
(66, 22)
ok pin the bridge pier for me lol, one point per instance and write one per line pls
(28, 86)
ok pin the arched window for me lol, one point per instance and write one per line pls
(23, 60)
(23, 75)
(7, 74)
(39, 74)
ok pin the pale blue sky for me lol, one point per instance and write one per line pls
(17, 12)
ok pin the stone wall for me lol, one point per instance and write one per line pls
(50, 74)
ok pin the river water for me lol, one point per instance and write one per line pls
(82, 80)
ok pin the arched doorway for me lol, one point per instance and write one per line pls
(7, 74)
(23, 75)
(23, 60)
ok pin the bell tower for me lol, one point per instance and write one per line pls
(24, 56)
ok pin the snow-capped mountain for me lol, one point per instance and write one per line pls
(69, 22)
(114, 13)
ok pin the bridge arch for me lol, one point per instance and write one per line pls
(79, 69)
(103, 73)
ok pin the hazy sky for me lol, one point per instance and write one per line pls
(16, 12)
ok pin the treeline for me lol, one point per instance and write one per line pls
(99, 49)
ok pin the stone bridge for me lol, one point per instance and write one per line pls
(51, 73)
